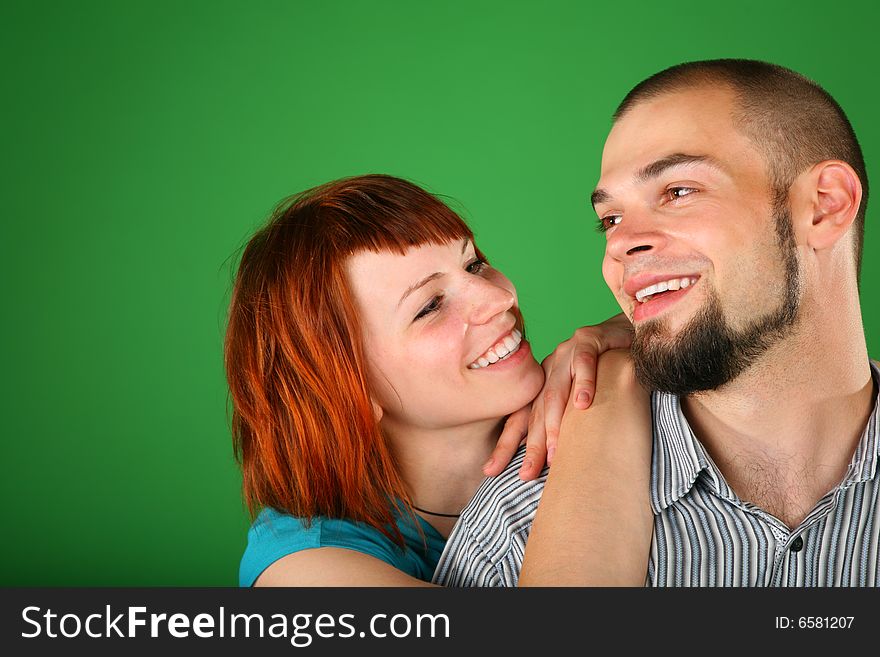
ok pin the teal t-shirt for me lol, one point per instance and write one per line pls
(274, 535)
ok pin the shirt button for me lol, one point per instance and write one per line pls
(797, 544)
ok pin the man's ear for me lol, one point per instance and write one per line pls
(836, 193)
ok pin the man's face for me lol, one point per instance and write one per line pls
(696, 254)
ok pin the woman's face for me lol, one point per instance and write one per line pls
(442, 336)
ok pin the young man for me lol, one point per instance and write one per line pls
(732, 196)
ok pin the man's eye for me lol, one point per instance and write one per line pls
(674, 193)
(607, 222)
(475, 266)
(433, 306)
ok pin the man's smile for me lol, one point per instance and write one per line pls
(651, 294)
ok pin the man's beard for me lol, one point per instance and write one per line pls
(708, 352)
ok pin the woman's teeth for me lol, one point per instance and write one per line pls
(505, 347)
(645, 294)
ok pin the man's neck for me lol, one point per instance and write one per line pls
(784, 432)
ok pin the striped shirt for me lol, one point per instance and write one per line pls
(704, 534)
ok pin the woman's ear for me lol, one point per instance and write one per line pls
(377, 411)
(836, 193)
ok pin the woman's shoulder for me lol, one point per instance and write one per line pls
(274, 535)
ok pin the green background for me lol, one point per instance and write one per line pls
(143, 142)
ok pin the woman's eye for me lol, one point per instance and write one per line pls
(608, 222)
(475, 266)
(433, 306)
(674, 193)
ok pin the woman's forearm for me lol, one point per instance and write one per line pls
(594, 524)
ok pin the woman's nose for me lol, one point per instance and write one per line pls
(489, 300)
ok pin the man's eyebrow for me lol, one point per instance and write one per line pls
(430, 277)
(599, 195)
(655, 169)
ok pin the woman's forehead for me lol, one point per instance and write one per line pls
(388, 276)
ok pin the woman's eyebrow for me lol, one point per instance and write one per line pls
(421, 283)
(430, 277)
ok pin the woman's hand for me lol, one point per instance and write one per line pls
(594, 524)
(572, 364)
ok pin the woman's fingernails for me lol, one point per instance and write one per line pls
(488, 464)
(550, 452)
(583, 397)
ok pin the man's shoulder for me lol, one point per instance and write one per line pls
(505, 497)
(487, 544)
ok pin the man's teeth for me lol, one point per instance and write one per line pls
(505, 348)
(645, 294)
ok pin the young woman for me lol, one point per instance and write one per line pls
(373, 355)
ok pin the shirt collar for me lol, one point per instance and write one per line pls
(679, 458)
(863, 465)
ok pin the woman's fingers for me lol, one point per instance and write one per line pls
(583, 364)
(561, 371)
(614, 333)
(515, 428)
(557, 387)
(536, 445)
(571, 366)
(518, 425)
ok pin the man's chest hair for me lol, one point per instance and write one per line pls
(786, 488)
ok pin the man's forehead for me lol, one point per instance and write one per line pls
(706, 98)
(697, 120)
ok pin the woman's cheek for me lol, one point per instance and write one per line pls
(441, 344)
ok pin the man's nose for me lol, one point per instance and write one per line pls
(637, 233)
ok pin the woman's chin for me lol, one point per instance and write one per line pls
(528, 387)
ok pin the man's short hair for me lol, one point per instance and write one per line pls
(792, 121)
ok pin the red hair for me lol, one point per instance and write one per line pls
(303, 427)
